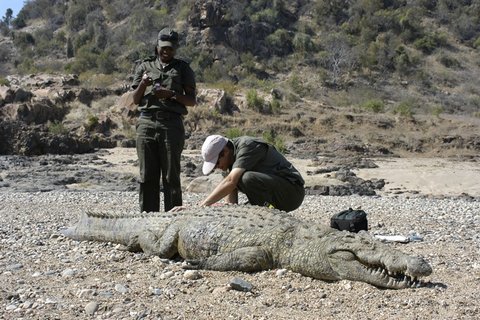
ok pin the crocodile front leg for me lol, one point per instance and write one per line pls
(247, 259)
(165, 246)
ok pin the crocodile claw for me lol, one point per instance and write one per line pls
(191, 265)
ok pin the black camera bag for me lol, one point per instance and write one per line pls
(350, 220)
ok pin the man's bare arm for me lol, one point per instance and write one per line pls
(224, 188)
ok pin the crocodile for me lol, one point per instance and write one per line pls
(251, 238)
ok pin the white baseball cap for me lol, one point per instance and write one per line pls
(211, 148)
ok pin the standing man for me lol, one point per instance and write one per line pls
(255, 168)
(163, 87)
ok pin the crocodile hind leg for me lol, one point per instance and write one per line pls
(247, 259)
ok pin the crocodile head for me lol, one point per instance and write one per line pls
(361, 258)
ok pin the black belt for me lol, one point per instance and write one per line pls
(160, 115)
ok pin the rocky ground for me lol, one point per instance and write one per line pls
(46, 276)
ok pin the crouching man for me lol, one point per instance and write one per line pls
(255, 168)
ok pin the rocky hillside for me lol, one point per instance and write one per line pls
(368, 77)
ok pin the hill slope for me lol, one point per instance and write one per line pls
(357, 71)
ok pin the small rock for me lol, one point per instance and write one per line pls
(69, 272)
(11, 307)
(14, 267)
(280, 272)
(121, 288)
(192, 275)
(85, 293)
(240, 285)
(157, 291)
(105, 294)
(167, 275)
(117, 310)
(91, 308)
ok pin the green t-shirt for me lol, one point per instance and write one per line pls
(173, 76)
(253, 154)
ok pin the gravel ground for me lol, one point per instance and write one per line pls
(46, 276)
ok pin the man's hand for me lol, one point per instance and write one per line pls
(146, 80)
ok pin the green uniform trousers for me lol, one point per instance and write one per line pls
(266, 189)
(160, 144)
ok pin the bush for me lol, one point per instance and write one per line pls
(92, 79)
(27, 65)
(268, 15)
(23, 40)
(374, 105)
(105, 63)
(280, 42)
(275, 106)
(476, 43)
(85, 59)
(437, 110)
(428, 43)
(92, 123)
(4, 82)
(404, 108)
(450, 62)
(214, 73)
(474, 101)
(56, 127)
(277, 141)
(302, 43)
(297, 85)
(233, 133)
(254, 101)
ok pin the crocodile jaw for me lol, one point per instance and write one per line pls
(402, 274)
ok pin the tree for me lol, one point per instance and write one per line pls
(340, 58)
(8, 17)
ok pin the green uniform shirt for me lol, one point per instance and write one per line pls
(173, 76)
(256, 155)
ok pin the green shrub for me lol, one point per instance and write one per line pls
(275, 106)
(449, 62)
(4, 82)
(27, 65)
(233, 133)
(23, 40)
(476, 43)
(85, 59)
(374, 105)
(228, 86)
(277, 141)
(105, 63)
(92, 122)
(213, 73)
(302, 43)
(280, 41)
(56, 127)
(268, 15)
(431, 41)
(254, 101)
(404, 108)
(297, 85)
(474, 101)
(437, 110)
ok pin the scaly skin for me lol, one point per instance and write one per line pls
(250, 238)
